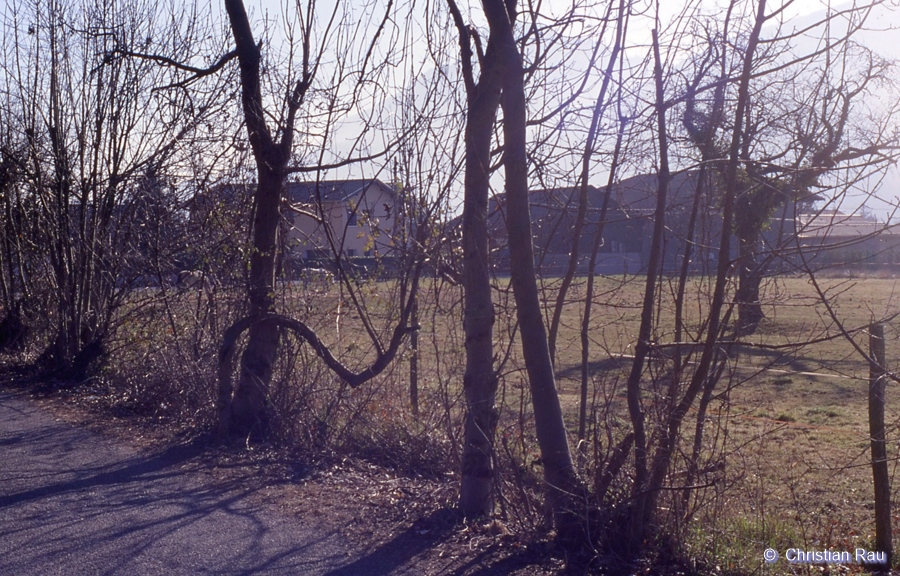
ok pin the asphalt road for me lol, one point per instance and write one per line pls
(73, 502)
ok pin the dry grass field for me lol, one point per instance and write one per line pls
(790, 420)
(787, 433)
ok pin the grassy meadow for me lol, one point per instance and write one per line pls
(789, 420)
(786, 444)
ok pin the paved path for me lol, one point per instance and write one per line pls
(72, 502)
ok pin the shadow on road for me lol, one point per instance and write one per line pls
(423, 535)
(144, 468)
(398, 555)
(74, 501)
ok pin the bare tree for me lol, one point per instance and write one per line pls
(243, 411)
(92, 126)
(480, 380)
(559, 470)
(619, 18)
(792, 140)
(735, 73)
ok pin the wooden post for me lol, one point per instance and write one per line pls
(880, 474)
(414, 357)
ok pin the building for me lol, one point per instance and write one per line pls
(627, 231)
(636, 198)
(832, 238)
(553, 215)
(356, 218)
(824, 238)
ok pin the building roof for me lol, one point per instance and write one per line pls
(555, 201)
(637, 194)
(835, 224)
(634, 197)
(330, 190)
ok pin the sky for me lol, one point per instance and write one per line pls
(882, 37)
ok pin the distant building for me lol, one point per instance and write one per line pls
(359, 216)
(825, 238)
(833, 238)
(356, 218)
(553, 214)
(636, 198)
(627, 232)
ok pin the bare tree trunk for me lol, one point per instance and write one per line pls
(480, 379)
(559, 471)
(647, 493)
(704, 135)
(248, 407)
(880, 473)
(750, 311)
(584, 176)
(414, 357)
(246, 412)
(598, 233)
(637, 528)
(589, 294)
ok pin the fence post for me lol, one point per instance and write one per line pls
(414, 356)
(880, 475)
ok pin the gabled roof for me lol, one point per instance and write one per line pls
(330, 190)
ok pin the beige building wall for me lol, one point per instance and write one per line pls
(362, 225)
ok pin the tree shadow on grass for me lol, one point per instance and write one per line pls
(778, 359)
(609, 364)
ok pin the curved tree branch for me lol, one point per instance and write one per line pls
(354, 379)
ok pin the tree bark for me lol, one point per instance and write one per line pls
(480, 379)
(881, 476)
(559, 471)
(750, 311)
(248, 410)
(246, 413)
